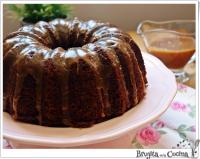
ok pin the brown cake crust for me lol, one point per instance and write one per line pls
(71, 73)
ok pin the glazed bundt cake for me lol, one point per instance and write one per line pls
(70, 73)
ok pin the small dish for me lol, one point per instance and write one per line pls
(159, 94)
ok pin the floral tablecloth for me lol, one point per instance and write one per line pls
(174, 129)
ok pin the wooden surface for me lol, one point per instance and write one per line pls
(189, 68)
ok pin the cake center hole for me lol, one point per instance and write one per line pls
(70, 44)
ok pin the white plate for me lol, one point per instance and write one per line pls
(159, 94)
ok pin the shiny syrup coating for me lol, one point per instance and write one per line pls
(71, 73)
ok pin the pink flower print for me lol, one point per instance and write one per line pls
(159, 124)
(193, 128)
(181, 87)
(148, 136)
(180, 107)
(6, 145)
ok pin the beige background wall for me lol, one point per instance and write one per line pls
(125, 16)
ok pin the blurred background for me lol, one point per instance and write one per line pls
(126, 16)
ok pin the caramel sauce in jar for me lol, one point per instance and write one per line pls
(174, 51)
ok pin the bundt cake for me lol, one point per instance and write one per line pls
(71, 73)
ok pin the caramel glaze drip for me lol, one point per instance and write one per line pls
(123, 54)
(115, 32)
(114, 82)
(13, 46)
(101, 56)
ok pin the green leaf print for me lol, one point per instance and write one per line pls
(191, 128)
(181, 127)
(182, 135)
(161, 132)
(193, 111)
(136, 144)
